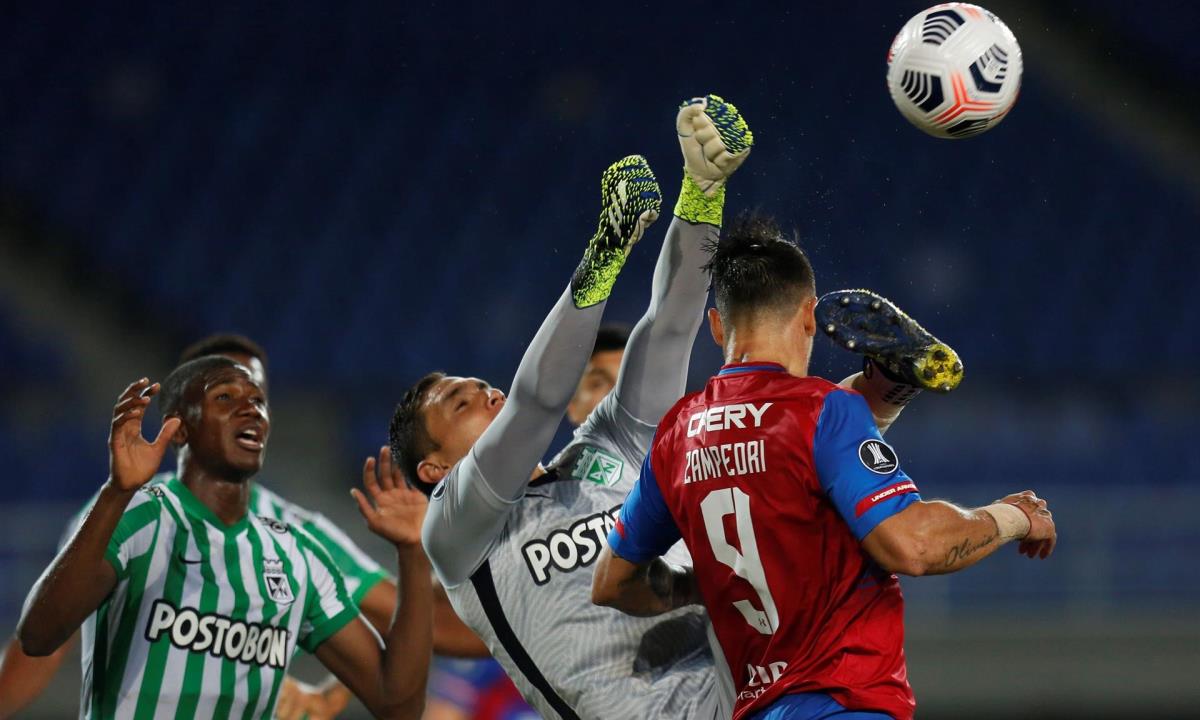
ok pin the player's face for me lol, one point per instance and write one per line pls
(230, 434)
(599, 378)
(457, 411)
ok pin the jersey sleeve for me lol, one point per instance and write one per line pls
(464, 520)
(857, 470)
(328, 607)
(655, 367)
(135, 533)
(645, 529)
(358, 569)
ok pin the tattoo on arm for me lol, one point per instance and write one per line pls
(965, 549)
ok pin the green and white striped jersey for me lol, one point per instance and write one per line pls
(205, 617)
(359, 570)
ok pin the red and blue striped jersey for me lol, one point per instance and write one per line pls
(773, 480)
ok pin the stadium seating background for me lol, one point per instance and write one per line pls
(374, 192)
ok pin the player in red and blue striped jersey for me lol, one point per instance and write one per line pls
(795, 510)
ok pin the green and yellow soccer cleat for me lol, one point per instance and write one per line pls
(869, 324)
(632, 201)
(715, 141)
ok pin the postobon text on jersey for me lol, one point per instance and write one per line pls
(218, 635)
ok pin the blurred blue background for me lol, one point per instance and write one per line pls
(376, 191)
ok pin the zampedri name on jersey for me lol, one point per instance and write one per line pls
(218, 635)
(726, 459)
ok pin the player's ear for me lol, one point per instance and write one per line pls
(431, 473)
(808, 315)
(180, 438)
(716, 328)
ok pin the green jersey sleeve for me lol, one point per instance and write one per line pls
(136, 531)
(328, 607)
(360, 572)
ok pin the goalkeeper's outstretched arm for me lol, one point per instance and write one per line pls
(510, 449)
(474, 500)
(715, 140)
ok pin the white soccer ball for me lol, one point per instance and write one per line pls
(954, 70)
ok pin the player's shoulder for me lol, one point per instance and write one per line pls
(684, 404)
(306, 540)
(291, 537)
(776, 387)
(151, 504)
(809, 386)
(152, 494)
(268, 503)
(844, 399)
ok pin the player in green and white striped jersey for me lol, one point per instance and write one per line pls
(360, 572)
(199, 603)
(373, 590)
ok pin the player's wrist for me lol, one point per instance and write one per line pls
(696, 205)
(114, 490)
(595, 276)
(412, 556)
(1012, 522)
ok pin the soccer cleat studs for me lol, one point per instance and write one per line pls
(866, 323)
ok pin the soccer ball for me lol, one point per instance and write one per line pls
(954, 70)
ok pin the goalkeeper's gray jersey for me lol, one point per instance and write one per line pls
(529, 589)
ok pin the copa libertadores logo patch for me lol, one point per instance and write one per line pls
(878, 457)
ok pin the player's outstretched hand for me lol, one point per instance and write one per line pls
(631, 202)
(1043, 535)
(132, 460)
(715, 140)
(395, 511)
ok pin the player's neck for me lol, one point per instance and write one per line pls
(228, 498)
(767, 345)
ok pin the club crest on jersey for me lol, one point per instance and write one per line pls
(278, 587)
(598, 467)
(878, 457)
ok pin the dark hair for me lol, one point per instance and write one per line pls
(175, 386)
(408, 435)
(754, 268)
(221, 344)
(611, 336)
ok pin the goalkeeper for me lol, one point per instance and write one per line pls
(512, 540)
